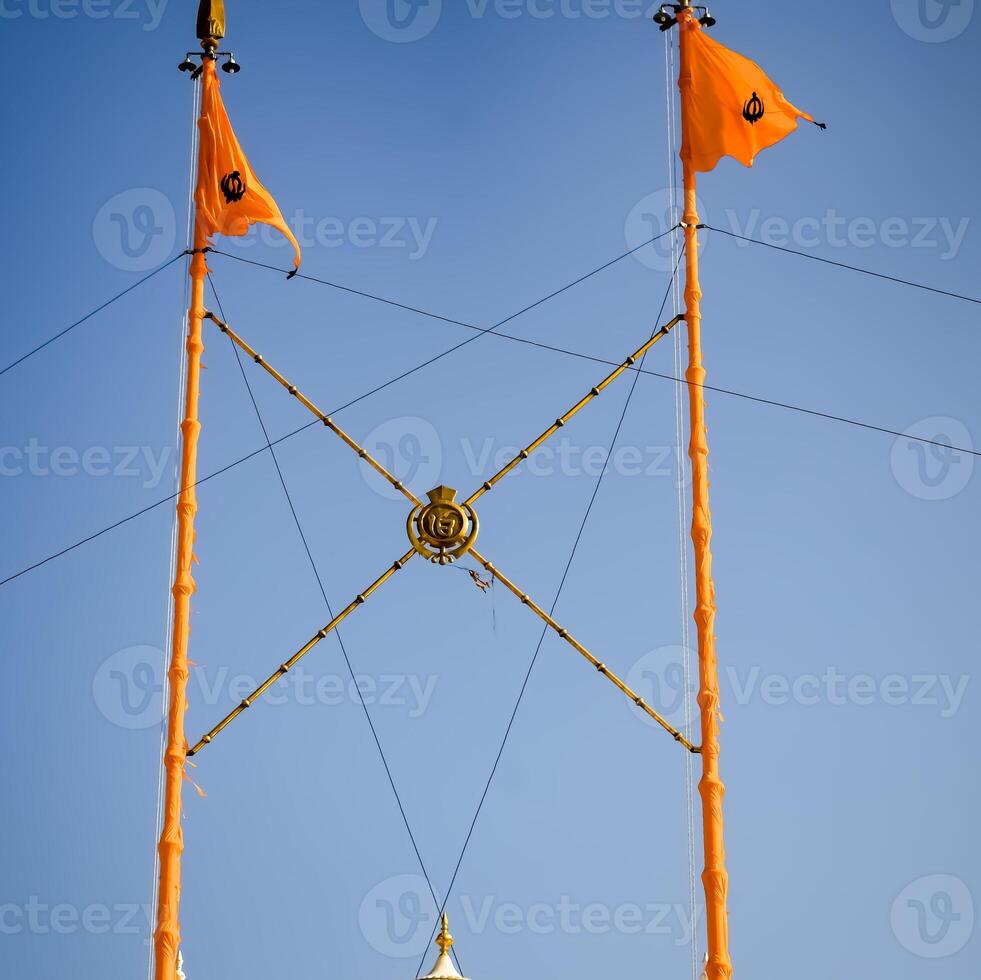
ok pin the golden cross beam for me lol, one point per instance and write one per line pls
(444, 530)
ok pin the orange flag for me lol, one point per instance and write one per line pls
(730, 107)
(229, 196)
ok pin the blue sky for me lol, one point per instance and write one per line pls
(470, 162)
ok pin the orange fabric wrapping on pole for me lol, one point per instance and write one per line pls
(228, 198)
(167, 938)
(715, 879)
(729, 107)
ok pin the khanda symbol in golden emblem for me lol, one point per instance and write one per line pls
(442, 530)
(754, 110)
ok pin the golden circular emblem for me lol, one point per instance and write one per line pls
(442, 530)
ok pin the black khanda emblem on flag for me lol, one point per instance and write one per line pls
(754, 110)
(233, 187)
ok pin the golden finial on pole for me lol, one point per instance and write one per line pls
(211, 24)
(444, 940)
(443, 968)
(211, 31)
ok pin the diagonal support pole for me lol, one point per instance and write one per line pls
(288, 665)
(313, 409)
(576, 645)
(581, 404)
(360, 599)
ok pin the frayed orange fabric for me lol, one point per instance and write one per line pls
(197, 788)
(731, 107)
(229, 196)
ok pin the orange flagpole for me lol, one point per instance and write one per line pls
(715, 878)
(171, 847)
(167, 937)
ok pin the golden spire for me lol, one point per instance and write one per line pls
(443, 968)
(444, 940)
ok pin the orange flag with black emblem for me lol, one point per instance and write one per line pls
(730, 107)
(229, 196)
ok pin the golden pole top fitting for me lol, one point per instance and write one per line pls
(444, 940)
(443, 968)
(211, 24)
